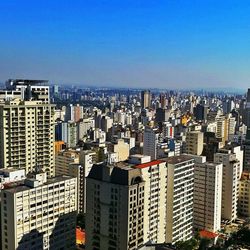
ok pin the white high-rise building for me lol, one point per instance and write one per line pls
(220, 126)
(150, 141)
(27, 127)
(179, 201)
(27, 135)
(231, 127)
(76, 170)
(154, 173)
(39, 214)
(145, 99)
(207, 194)
(87, 159)
(230, 183)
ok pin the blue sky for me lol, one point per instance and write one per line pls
(144, 43)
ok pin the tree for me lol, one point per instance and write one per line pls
(241, 237)
(187, 245)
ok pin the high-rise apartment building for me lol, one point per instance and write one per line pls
(244, 195)
(200, 112)
(246, 150)
(194, 142)
(180, 185)
(207, 194)
(87, 159)
(231, 127)
(222, 128)
(246, 110)
(154, 173)
(27, 135)
(69, 113)
(230, 183)
(77, 170)
(27, 128)
(39, 214)
(67, 132)
(150, 141)
(115, 207)
(163, 100)
(63, 159)
(162, 115)
(145, 99)
(83, 127)
(73, 113)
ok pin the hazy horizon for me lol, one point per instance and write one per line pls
(144, 44)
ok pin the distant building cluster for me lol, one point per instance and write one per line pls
(142, 167)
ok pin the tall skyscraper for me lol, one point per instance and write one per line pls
(27, 128)
(146, 99)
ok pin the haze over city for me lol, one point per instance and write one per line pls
(164, 44)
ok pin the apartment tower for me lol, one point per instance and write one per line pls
(194, 143)
(27, 127)
(39, 213)
(207, 194)
(115, 207)
(180, 186)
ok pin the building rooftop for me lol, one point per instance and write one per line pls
(17, 187)
(26, 82)
(178, 159)
(148, 164)
(9, 170)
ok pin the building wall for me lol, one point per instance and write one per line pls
(114, 215)
(244, 198)
(194, 143)
(155, 202)
(230, 189)
(122, 149)
(64, 159)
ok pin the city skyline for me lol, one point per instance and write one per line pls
(163, 44)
